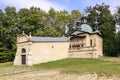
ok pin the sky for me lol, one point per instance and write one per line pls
(68, 5)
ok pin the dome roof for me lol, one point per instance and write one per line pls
(86, 28)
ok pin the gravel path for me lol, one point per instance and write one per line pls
(55, 75)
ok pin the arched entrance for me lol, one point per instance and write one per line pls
(23, 56)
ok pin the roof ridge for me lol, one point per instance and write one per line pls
(49, 39)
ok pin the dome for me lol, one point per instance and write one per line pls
(86, 28)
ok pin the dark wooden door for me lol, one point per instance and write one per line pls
(23, 59)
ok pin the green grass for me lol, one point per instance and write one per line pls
(9, 69)
(7, 64)
(106, 65)
(79, 65)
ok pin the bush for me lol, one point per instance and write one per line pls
(6, 56)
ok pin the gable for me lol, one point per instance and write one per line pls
(79, 33)
(76, 32)
(22, 39)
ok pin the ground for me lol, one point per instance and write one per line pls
(106, 68)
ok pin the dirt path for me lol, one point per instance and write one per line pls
(55, 75)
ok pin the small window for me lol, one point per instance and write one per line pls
(70, 46)
(82, 45)
(23, 50)
(94, 42)
(90, 42)
(52, 46)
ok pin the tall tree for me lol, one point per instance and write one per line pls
(117, 16)
(8, 37)
(76, 15)
(117, 44)
(2, 17)
(117, 20)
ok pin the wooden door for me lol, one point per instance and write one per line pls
(23, 59)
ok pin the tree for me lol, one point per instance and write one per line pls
(117, 16)
(117, 37)
(8, 37)
(76, 15)
(117, 44)
(106, 25)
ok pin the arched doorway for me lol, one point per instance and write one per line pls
(23, 56)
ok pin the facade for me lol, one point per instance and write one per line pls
(85, 43)
(82, 42)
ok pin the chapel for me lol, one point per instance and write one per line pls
(82, 42)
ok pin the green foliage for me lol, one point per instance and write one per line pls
(6, 56)
(76, 14)
(117, 43)
(117, 16)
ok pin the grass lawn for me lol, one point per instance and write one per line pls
(106, 65)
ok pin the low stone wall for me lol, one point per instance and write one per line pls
(76, 54)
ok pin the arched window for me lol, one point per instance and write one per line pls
(23, 50)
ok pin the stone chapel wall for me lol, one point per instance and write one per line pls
(49, 51)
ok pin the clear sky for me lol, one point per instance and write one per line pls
(58, 4)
